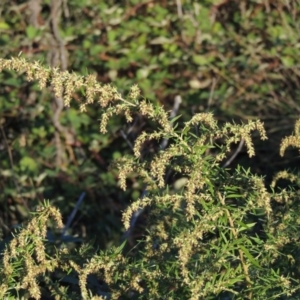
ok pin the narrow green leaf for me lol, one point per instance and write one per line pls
(249, 256)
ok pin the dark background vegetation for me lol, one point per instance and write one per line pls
(239, 59)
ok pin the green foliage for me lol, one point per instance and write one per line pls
(237, 58)
(221, 56)
(222, 235)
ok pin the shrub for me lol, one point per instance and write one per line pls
(234, 58)
(222, 235)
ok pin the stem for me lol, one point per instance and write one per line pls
(241, 254)
(125, 101)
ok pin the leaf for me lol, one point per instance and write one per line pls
(249, 256)
(28, 163)
(161, 40)
(174, 119)
(31, 32)
(180, 183)
(120, 248)
(287, 61)
(40, 178)
(234, 196)
(4, 25)
(244, 226)
(200, 60)
(197, 84)
(224, 237)
(142, 73)
(7, 173)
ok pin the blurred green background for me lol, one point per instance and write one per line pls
(238, 59)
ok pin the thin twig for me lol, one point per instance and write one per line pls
(66, 9)
(177, 102)
(58, 56)
(134, 217)
(35, 10)
(124, 135)
(237, 151)
(72, 215)
(132, 126)
(211, 93)
(179, 9)
(195, 126)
